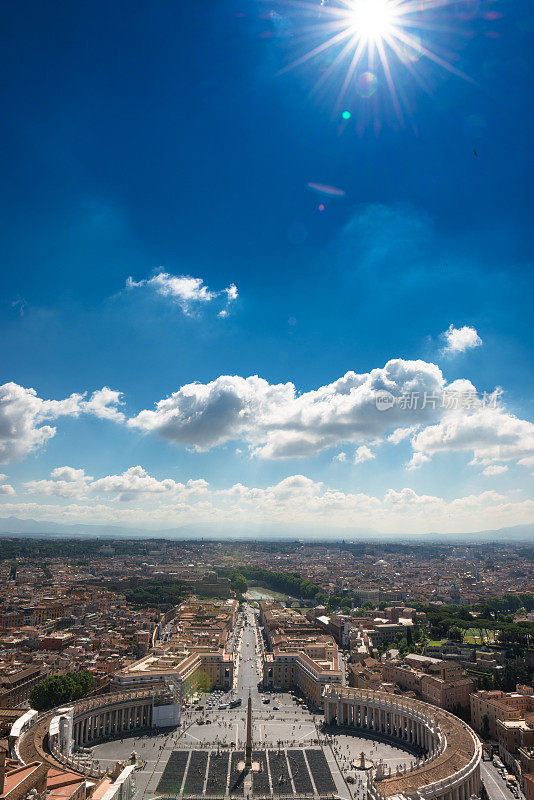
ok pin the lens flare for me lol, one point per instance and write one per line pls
(325, 189)
(364, 45)
(366, 84)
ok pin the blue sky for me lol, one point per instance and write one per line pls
(159, 231)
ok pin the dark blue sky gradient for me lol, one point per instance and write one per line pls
(146, 134)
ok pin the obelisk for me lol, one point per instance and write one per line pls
(248, 746)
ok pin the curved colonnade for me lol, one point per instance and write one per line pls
(449, 768)
(54, 736)
(122, 713)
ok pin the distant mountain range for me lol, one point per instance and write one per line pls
(13, 526)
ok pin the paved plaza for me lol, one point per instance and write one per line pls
(296, 754)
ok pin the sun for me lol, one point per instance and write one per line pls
(371, 19)
(360, 45)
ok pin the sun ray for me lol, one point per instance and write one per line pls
(317, 50)
(372, 40)
(351, 70)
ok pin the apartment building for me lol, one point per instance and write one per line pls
(17, 680)
(432, 679)
(490, 707)
(301, 655)
(366, 674)
(191, 652)
(513, 715)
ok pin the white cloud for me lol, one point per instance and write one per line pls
(277, 422)
(23, 416)
(363, 454)
(132, 484)
(490, 433)
(5, 488)
(458, 340)
(204, 415)
(495, 469)
(417, 460)
(231, 292)
(139, 499)
(401, 434)
(103, 404)
(340, 457)
(185, 290)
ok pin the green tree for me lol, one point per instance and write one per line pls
(238, 583)
(455, 633)
(59, 689)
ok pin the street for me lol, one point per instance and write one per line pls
(495, 785)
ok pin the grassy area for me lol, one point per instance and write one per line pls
(472, 636)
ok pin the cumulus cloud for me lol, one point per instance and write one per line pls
(278, 422)
(340, 457)
(403, 401)
(135, 497)
(132, 484)
(458, 340)
(495, 469)
(489, 433)
(185, 290)
(23, 416)
(103, 404)
(204, 415)
(5, 488)
(363, 454)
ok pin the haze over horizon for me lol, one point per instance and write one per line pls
(244, 285)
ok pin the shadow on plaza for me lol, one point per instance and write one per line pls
(372, 736)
